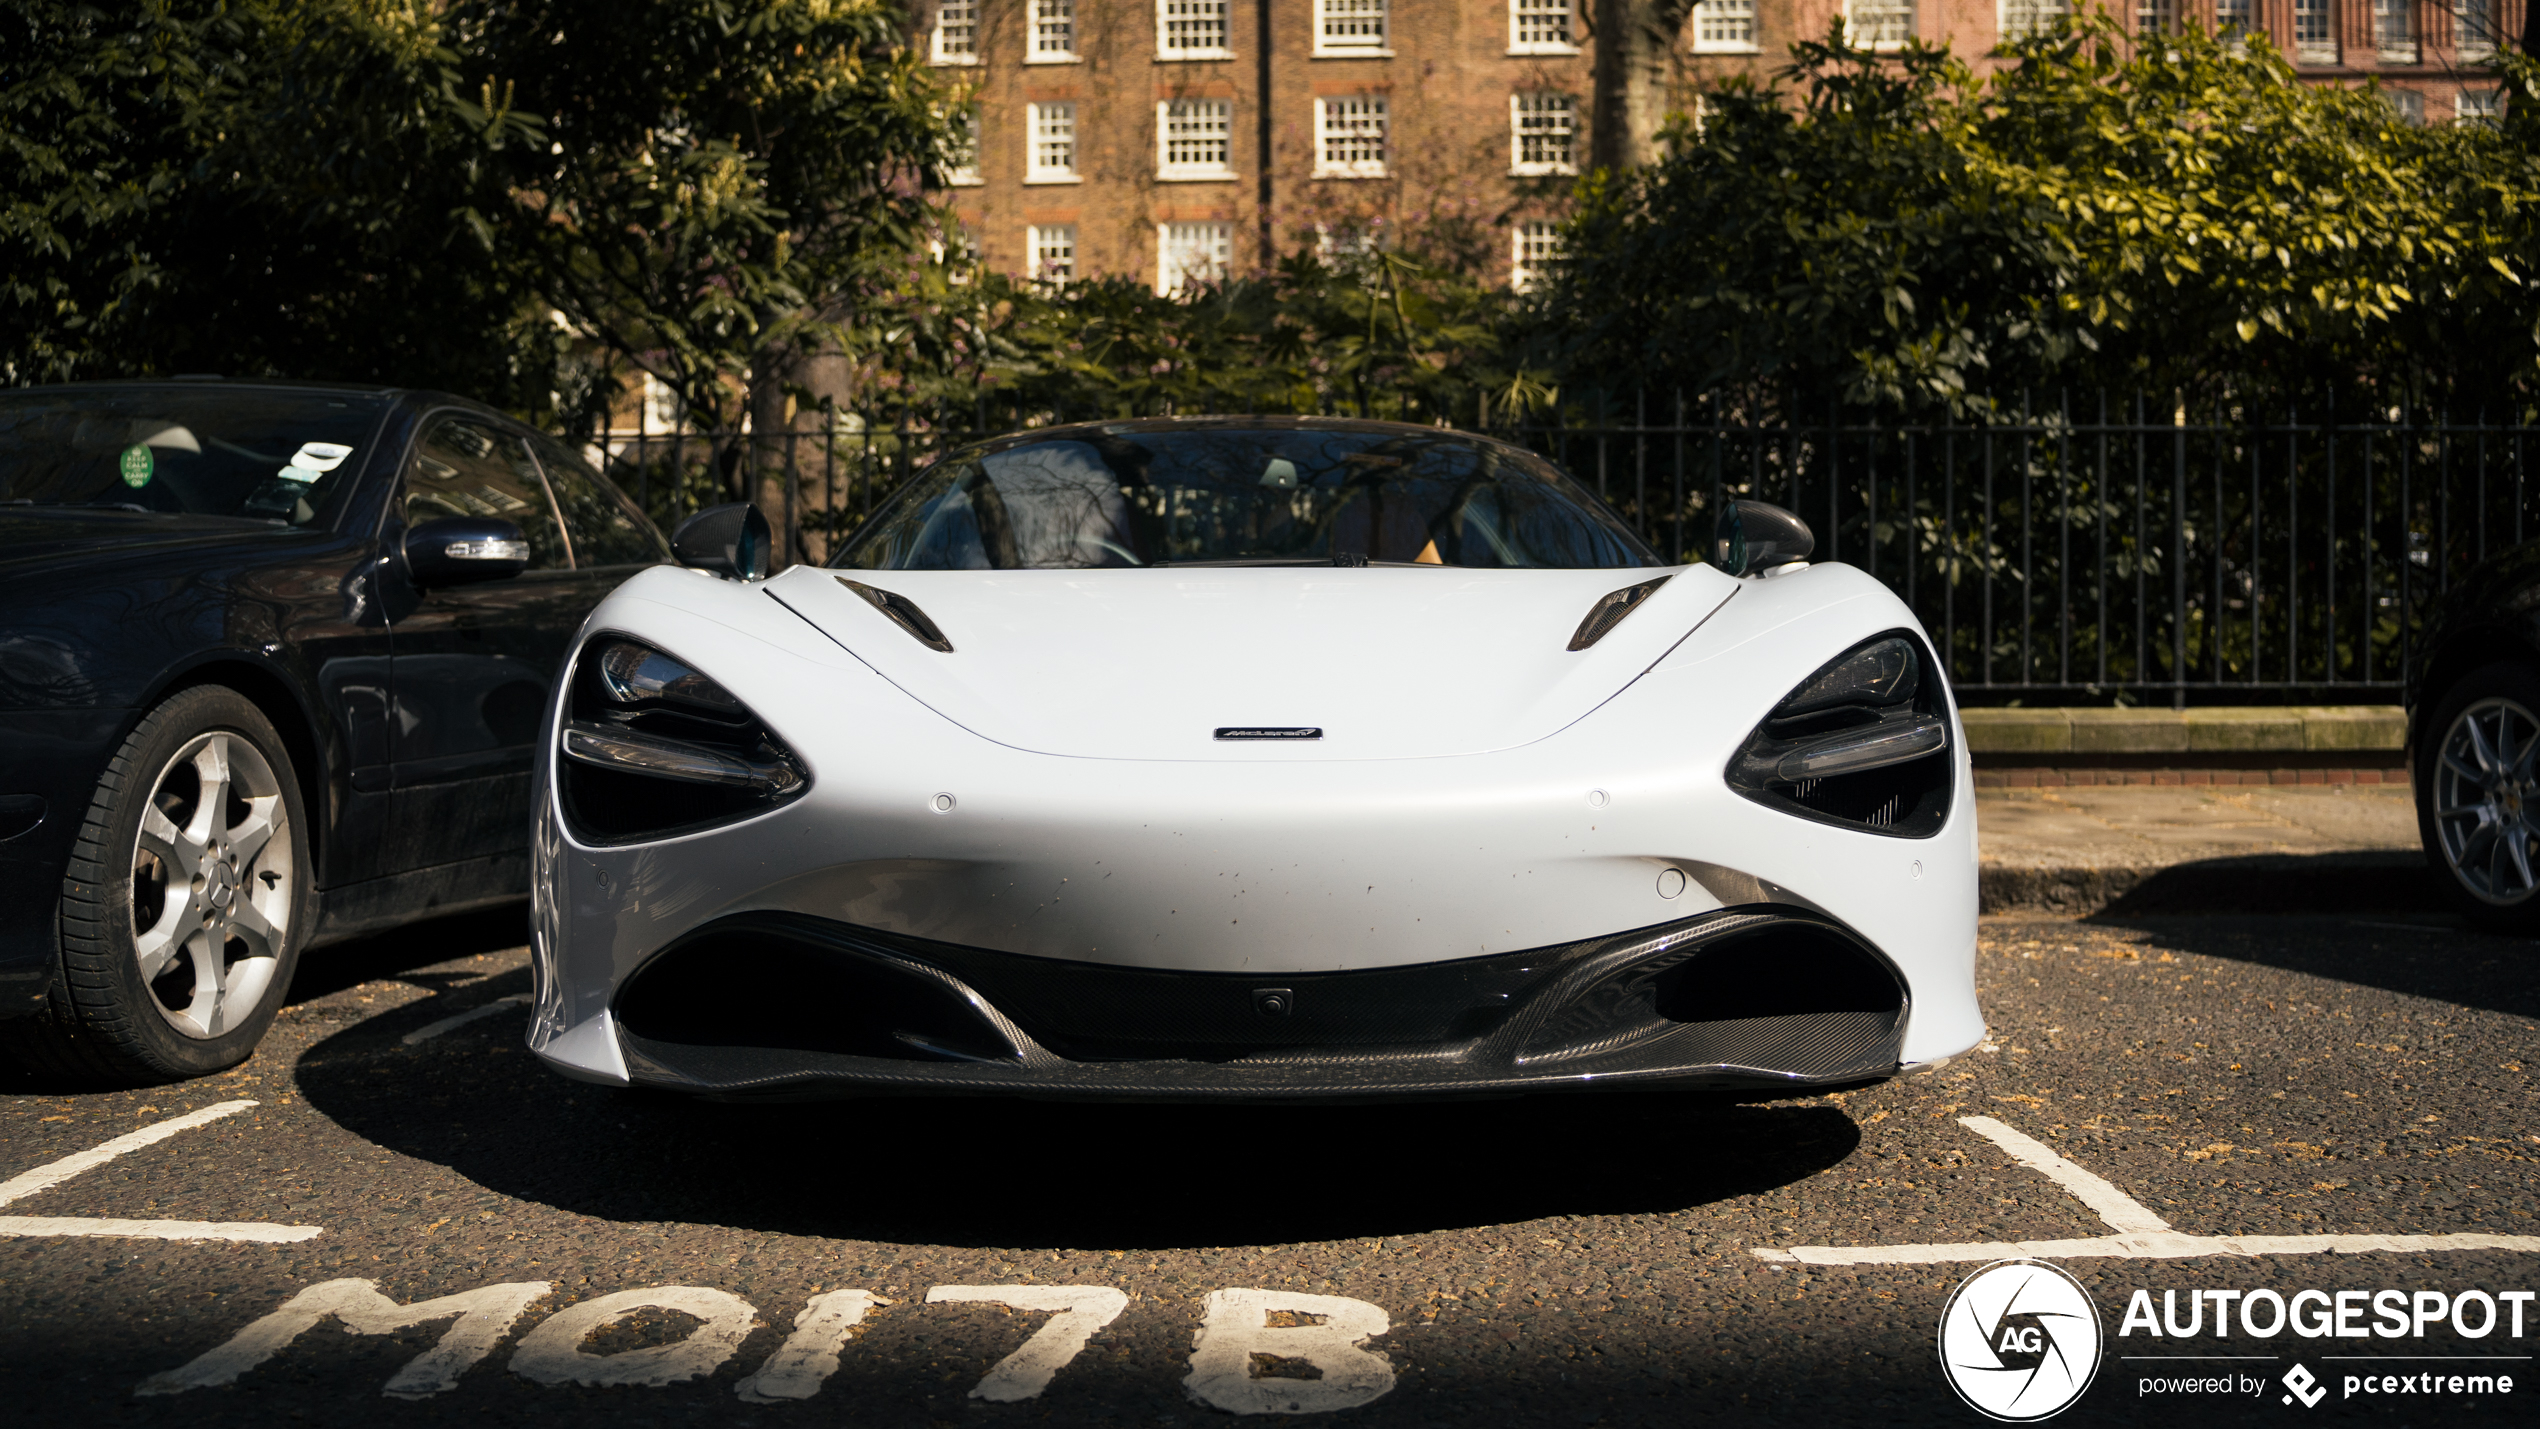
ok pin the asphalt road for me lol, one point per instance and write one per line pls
(1549, 1261)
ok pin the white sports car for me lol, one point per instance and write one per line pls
(1254, 758)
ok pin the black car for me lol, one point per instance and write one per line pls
(2474, 736)
(272, 662)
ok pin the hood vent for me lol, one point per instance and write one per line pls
(903, 612)
(1610, 609)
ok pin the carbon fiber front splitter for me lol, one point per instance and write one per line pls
(786, 1006)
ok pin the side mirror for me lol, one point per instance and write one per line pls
(1757, 536)
(463, 550)
(731, 541)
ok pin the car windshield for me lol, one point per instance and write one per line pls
(1237, 495)
(209, 451)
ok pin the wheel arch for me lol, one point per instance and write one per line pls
(274, 698)
(2461, 654)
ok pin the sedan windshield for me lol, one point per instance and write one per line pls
(256, 454)
(1233, 494)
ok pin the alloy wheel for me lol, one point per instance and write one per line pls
(212, 885)
(2484, 787)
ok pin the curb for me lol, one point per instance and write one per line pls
(2380, 881)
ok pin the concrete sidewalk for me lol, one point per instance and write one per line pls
(2255, 848)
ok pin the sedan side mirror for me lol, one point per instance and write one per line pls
(1757, 536)
(731, 540)
(463, 550)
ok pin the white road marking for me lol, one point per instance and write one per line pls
(54, 1173)
(809, 1355)
(156, 1230)
(1082, 1309)
(485, 1314)
(2141, 1235)
(430, 1030)
(1237, 1327)
(2119, 1210)
(553, 1353)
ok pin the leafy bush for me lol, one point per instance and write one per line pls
(2185, 218)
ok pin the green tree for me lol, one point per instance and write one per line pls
(2191, 218)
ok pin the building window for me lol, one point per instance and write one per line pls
(956, 36)
(1053, 251)
(1724, 27)
(2023, 19)
(2474, 28)
(1053, 32)
(1540, 130)
(1052, 159)
(1339, 247)
(2409, 103)
(2155, 17)
(1191, 30)
(2314, 32)
(1350, 27)
(1195, 139)
(1535, 245)
(961, 155)
(2234, 17)
(1349, 137)
(1189, 254)
(2480, 106)
(2394, 31)
(1540, 27)
(1879, 24)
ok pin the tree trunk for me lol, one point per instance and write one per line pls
(1635, 53)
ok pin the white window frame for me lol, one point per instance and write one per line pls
(1537, 104)
(2319, 49)
(2479, 106)
(1038, 116)
(1853, 10)
(1330, 12)
(1044, 15)
(2475, 27)
(2401, 48)
(2155, 17)
(1522, 274)
(1715, 23)
(1170, 276)
(1164, 15)
(1380, 106)
(1167, 169)
(1035, 237)
(967, 14)
(1520, 10)
(2239, 24)
(2022, 19)
(965, 175)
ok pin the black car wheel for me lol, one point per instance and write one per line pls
(2476, 787)
(185, 904)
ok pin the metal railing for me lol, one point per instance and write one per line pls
(2096, 549)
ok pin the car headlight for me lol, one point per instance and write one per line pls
(652, 746)
(1862, 743)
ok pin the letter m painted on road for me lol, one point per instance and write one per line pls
(484, 1316)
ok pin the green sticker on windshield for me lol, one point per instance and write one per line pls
(135, 463)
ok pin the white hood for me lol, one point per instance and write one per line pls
(1389, 663)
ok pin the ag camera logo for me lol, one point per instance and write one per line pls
(2019, 1340)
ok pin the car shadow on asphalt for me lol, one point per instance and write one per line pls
(2428, 955)
(399, 952)
(998, 1172)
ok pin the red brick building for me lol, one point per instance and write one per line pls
(1168, 139)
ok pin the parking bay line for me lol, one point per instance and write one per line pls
(430, 1030)
(2140, 1234)
(53, 1173)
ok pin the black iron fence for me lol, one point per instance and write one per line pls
(2086, 550)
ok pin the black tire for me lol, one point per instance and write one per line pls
(2478, 796)
(105, 1021)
